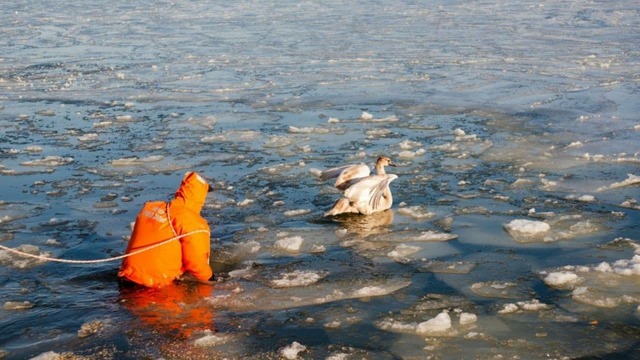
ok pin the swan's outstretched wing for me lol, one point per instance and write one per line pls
(346, 175)
(379, 191)
(367, 193)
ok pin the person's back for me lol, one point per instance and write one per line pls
(159, 221)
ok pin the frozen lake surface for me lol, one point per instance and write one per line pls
(515, 228)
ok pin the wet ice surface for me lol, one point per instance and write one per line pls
(514, 231)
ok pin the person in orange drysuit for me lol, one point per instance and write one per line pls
(159, 221)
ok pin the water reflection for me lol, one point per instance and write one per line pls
(174, 311)
(362, 226)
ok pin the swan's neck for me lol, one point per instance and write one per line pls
(380, 169)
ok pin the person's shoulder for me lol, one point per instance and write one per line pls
(191, 220)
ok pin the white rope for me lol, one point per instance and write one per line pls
(146, 248)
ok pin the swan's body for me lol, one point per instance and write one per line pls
(363, 193)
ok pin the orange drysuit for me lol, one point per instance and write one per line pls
(159, 221)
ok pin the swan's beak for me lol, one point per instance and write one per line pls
(391, 163)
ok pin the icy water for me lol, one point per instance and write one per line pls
(514, 232)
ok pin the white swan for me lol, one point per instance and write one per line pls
(363, 193)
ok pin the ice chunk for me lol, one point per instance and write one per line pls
(631, 180)
(291, 352)
(403, 250)
(245, 202)
(409, 144)
(291, 213)
(562, 279)
(17, 305)
(459, 267)
(508, 309)
(631, 204)
(438, 324)
(407, 154)
(527, 230)
(499, 289)
(366, 116)
(594, 297)
(49, 161)
(397, 326)
(307, 130)
(49, 355)
(46, 112)
(211, 339)
(417, 212)
(278, 142)
(468, 319)
(34, 149)
(298, 278)
(134, 160)
(290, 244)
(91, 328)
(434, 236)
(22, 262)
(533, 305)
(527, 227)
(88, 137)
(583, 198)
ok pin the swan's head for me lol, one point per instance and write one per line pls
(385, 161)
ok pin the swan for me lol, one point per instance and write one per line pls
(363, 193)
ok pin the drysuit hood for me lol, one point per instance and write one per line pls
(193, 191)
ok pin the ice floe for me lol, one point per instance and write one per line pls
(211, 339)
(436, 325)
(431, 235)
(606, 284)
(52, 160)
(298, 278)
(500, 289)
(134, 161)
(21, 262)
(562, 279)
(289, 244)
(307, 130)
(449, 267)
(417, 212)
(630, 180)
(93, 327)
(292, 351)
(443, 324)
(17, 305)
(523, 306)
(298, 212)
(256, 298)
(403, 250)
